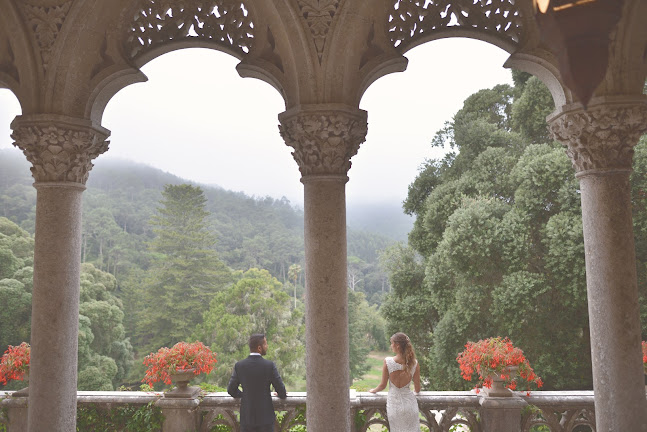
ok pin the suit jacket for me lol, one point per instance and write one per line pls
(255, 374)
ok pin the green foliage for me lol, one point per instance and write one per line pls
(530, 110)
(255, 303)
(128, 418)
(15, 313)
(359, 327)
(498, 231)
(121, 273)
(409, 308)
(297, 424)
(105, 353)
(185, 273)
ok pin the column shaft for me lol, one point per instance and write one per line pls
(600, 145)
(324, 138)
(327, 350)
(614, 316)
(55, 308)
(61, 150)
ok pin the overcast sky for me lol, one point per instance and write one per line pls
(198, 119)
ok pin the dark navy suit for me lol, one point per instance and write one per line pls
(255, 374)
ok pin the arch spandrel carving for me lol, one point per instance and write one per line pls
(46, 20)
(319, 15)
(412, 22)
(227, 24)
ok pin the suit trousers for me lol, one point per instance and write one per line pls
(258, 428)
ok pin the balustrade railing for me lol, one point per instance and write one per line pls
(440, 411)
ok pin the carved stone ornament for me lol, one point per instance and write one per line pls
(601, 138)
(410, 20)
(324, 142)
(8, 65)
(319, 15)
(59, 153)
(223, 22)
(46, 23)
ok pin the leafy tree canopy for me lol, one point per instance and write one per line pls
(497, 245)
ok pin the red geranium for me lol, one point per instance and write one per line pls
(183, 356)
(645, 356)
(493, 357)
(15, 363)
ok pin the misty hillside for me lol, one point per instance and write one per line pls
(109, 174)
(123, 196)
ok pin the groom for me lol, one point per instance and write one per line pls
(256, 374)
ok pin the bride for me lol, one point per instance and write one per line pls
(400, 371)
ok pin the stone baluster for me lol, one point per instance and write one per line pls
(60, 150)
(324, 138)
(600, 145)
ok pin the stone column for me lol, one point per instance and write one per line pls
(600, 144)
(60, 150)
(324, 138)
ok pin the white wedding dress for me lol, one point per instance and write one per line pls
(401, 403)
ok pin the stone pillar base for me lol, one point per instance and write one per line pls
(180, 414)
(16, 413)
(501, 414)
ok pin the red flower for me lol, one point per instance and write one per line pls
(15, 363)
(183, 356)
(492, 357)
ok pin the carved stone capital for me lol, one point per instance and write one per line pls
(59, 148)
(324, 141)
(602, 138)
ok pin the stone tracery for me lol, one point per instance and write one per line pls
(413, 20)
(227, 23)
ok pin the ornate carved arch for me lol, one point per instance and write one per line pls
(226, 25)
(412, 22)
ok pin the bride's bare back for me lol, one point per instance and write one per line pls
(400, 378)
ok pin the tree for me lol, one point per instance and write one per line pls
(255, 303)
(104, 312)
(498, 231)
(293, 275)
(105, 353)
(15, 313)
(367, 332)
(186, 272)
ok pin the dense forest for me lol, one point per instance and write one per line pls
(154, 273)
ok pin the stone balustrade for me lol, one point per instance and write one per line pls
(564, 411)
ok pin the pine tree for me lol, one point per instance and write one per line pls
(186, 271)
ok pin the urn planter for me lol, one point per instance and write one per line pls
(181, 380)
(498, 388)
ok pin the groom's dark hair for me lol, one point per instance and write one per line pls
(255, 341)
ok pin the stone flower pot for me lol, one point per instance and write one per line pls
(181, 380)
(498, 388)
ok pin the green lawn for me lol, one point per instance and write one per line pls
(373, 377)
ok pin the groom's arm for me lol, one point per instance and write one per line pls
(234, 382)
(277, 383)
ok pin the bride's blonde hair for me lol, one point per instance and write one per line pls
(403, 343)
